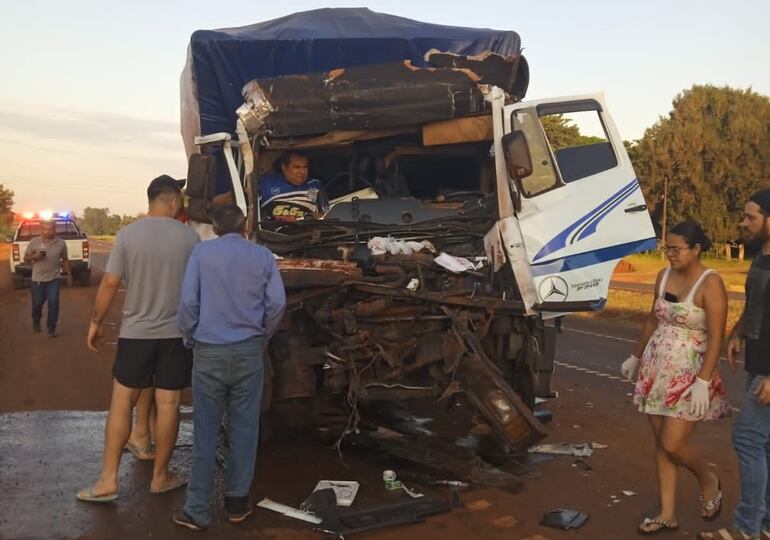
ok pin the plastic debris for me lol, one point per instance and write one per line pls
(379, 245)
(564, 519)
(288, 511)
(563, 449)
(344, 490)
(458, 265)
(629, 493)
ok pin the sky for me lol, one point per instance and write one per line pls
(89, 100)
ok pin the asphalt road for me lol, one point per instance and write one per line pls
(53, 394)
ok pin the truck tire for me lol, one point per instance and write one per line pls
(18, 281)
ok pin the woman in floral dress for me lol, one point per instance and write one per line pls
(678, 383)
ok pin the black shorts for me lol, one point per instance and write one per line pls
(162, 363)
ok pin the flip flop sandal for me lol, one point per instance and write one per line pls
(89, 496)
(140, 453)
(663, 527)
(176, 484)
(714, 506)
(724, 534)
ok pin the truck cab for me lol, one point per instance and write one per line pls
(78, 250)
(461, 219)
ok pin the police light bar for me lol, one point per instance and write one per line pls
(46, 215)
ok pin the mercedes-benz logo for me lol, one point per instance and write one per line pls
(553, 289)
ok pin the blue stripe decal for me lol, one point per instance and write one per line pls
(609, 205)
(560, 241)
(589, 258)
(591, 229)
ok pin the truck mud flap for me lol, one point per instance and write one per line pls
(484, 385)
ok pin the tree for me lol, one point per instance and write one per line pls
(562, 133)
(99, 221)
(6, 210)
(714, 148)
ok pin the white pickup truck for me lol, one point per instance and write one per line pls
(78, 250)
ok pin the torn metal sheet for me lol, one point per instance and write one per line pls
(301, 273)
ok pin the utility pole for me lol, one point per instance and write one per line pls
(665, 218)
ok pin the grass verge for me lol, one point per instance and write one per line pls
(629, 307)
(646, 268)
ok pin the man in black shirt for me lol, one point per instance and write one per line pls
(751, 434)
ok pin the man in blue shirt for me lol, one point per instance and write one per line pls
(287, 195)
(232, 301)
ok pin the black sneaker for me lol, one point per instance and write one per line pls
(36, 326)
(52, 332)
(183, 520)
(237, 509)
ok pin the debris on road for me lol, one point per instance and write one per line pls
(629, 493)
(567, 449)
(289, 511)
(564, 519)
(333, 520)
(345, 491)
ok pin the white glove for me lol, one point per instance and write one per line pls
(699, 397)
(629, 366)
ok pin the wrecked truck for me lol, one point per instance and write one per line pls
(462, 218)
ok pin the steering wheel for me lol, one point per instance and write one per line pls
(444, 197)
(346, 175)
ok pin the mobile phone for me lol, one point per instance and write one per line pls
(41, 252)
(670, 297)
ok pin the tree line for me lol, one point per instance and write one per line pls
(100, 222)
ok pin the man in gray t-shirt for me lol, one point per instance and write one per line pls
(150, 255)
(47, 255)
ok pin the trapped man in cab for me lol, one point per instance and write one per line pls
(288, 194)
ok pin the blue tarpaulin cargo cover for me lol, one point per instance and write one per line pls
(221, 62)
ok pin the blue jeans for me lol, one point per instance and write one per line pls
(224, 378)
(42, 292)
(751, 438)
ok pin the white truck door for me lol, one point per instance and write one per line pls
(581, 210)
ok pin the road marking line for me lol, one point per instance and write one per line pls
(626, 340)
(607, 375)
(599, 335)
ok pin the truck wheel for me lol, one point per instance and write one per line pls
(18, 281)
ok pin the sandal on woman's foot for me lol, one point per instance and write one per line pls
(713, 507)
(725, 534)
(658, 526)
(142, 454)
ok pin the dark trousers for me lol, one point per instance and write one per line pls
(42, 292)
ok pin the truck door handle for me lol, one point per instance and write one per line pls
(637, 208)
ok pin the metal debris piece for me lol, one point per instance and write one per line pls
(289, 511)
(562, 449)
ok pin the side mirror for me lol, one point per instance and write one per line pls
(84, 235)
(201, 182)
(517, 156)
(9, 239)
